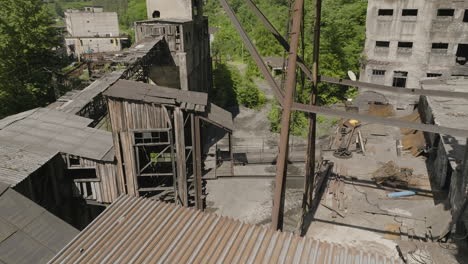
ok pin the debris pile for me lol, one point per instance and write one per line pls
(392, 175)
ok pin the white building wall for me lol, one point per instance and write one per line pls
(181, 9)
(422, 30)
(93, 45)
(88, 24)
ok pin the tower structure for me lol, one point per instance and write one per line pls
(182, 24)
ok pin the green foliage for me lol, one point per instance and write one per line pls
(299, 121)
(27, 56)
(342, 42)
(231, 88)
(249, 95)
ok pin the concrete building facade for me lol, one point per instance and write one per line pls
(408, 40)
(188, 66)
(92, 31)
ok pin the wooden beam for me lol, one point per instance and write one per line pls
(180, 151)
(197, 162)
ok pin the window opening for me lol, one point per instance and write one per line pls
(378, 72)
(156, 14)
(405, 44)
(445, 12)
(382, 44)
(399, 79)
(385, 12)
(409, 12)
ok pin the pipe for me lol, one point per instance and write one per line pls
(401, 194)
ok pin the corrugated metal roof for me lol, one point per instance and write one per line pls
(28, 233)
(137, 230)
(17, 163)
(47, 130)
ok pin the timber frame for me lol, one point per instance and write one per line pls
(157, 139)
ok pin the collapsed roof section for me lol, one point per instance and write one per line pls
(146, 231)
(186, 100)
(28, 233)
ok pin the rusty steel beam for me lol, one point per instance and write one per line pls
(381, 120)
(312, 135)
(278, 36)
(253, 51)
(392, 89)
(281, 166)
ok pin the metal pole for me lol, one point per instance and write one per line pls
(310, 160)
(281, 167)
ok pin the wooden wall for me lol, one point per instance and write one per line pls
(126, 117)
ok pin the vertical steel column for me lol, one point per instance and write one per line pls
(310, 160)
(281, 167)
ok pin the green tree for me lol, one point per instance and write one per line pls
(27, 56)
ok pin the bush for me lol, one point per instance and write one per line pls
(249, 95)
(231, 88)
(299, 121)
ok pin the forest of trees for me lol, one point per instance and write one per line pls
(27, 41)
(342, 42)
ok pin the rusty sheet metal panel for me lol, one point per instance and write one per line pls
(137, 230)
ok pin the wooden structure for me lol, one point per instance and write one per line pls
(58, 161)
(157, 140)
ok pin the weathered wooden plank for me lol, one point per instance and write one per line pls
(180, 151)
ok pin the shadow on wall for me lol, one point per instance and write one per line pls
(164, 71)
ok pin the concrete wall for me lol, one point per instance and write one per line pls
(91, 24)
(422, 30)
(170, 9)
(189, 45)
(79, 46)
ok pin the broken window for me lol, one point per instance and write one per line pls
(462, 54)
(409, 12)
(445, 12)
(405, 44)
(378, 72)
(382, 44)
(112, 41)
(399, 79)
(434, 75)
(465, 17)
(385, 12)
(156, 14)
(74, 161)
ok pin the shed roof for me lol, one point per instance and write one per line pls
(75, 101)
(17, 163)
(47, 131)
(149, 93)
(275, 61)
(133, 54)
(141, 230)
(186, 100)
(28, 232)
(449, 112)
